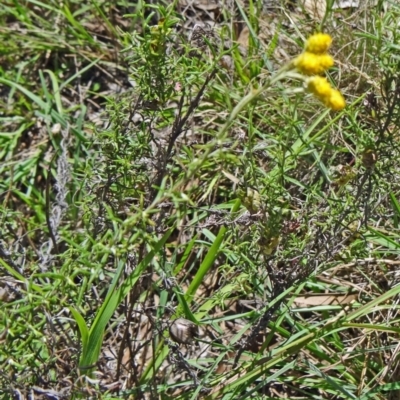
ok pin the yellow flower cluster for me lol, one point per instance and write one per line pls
(313, 64)
(314, 61)
(318, 43)
(331, 97)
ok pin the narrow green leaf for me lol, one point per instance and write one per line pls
(186, 309)
(112, 301)
(396, 209)
(19, 277)
(26, 92)
(369, 307)
(209, 259)
(83, 329)
(384, 239)
(56, 91)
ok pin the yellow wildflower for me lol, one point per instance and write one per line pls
(326, 61)
(318, 43)
(335, 101)
(319, 86)
(313, 64)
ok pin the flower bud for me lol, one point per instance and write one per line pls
(183, 331)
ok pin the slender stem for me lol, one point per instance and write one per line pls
(254, 93)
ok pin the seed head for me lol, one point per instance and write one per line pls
(183, 331)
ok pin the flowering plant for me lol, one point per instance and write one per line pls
(314, 61)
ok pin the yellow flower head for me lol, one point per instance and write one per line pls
(335, 101)
(313, 64)
(326, 61)
(321, 89)
(319, 86)
(318, 43)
